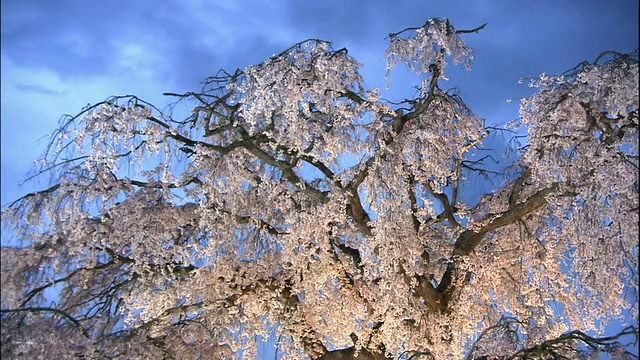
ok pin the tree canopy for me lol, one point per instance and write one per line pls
(293, 199)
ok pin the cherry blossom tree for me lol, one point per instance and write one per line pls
(292, 199)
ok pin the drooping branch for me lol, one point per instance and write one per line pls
(37, 290)
(56, 311)
(565, 345)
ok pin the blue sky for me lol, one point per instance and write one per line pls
(58, 56)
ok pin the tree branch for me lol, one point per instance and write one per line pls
(51, 310)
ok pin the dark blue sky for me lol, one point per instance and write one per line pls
(58, 56)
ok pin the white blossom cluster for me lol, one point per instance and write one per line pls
(427, 49)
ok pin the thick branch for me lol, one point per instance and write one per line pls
(444, 200)
(357, 212)
(289, 174)
(414, 203)
(517, 187)
(433, 298)
(469, 239)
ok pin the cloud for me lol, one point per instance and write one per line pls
(59, 55)
(37, 89)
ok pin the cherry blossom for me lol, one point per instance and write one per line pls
(294, 200)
